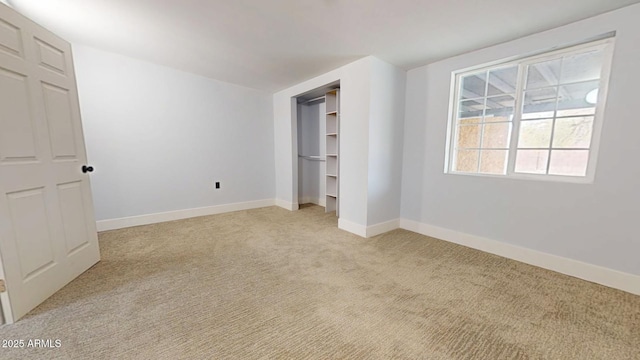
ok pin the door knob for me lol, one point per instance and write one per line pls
(86, 169)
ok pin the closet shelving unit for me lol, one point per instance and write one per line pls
(332, 103)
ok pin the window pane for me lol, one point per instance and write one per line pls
(474, 85)
(532, 161)
(471, 110)
(496, 135)
(503, 81)
(493, 161)
(472, 120)
(469, 136)
(539, 104)
(467, 161)
(500, 108)
(576, 99)
(582, 67)
(573, 132)
(569, 162)
(535, 134)
(543, 74)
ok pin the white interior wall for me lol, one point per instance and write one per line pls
(592, 223)
(386, 132)
(159, 138)
(311, 142)
(355, 102)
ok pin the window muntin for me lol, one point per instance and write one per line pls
(484, 121)
(536, 116)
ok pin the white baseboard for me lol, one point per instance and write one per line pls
(368, 231)
(352, 227)
(594, 273)
(287, 205)
(382, 228)
(112, 224)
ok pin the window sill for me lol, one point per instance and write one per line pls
(530, 177)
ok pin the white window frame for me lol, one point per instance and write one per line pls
(454, 102)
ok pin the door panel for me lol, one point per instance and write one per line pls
(50, 57)
(47, 227)
(59, 120)
(16, 127)
(10, 39)
(31, 229)
(73, 210)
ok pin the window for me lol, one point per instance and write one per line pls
(538, 116)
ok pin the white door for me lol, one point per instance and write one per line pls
(47, 227)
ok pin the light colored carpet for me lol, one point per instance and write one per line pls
(272, 284)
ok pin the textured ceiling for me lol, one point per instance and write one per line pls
(273, 44)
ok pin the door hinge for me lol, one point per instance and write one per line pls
(2, 287)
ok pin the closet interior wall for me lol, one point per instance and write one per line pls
(311, 152)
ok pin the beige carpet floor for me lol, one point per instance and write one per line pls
(272, 284)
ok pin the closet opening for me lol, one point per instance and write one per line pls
(318, 143)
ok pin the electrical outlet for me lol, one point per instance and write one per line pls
(217, 184)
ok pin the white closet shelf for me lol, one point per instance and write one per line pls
(312, 157)
(332, 168)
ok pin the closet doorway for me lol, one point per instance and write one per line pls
(318, 123)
